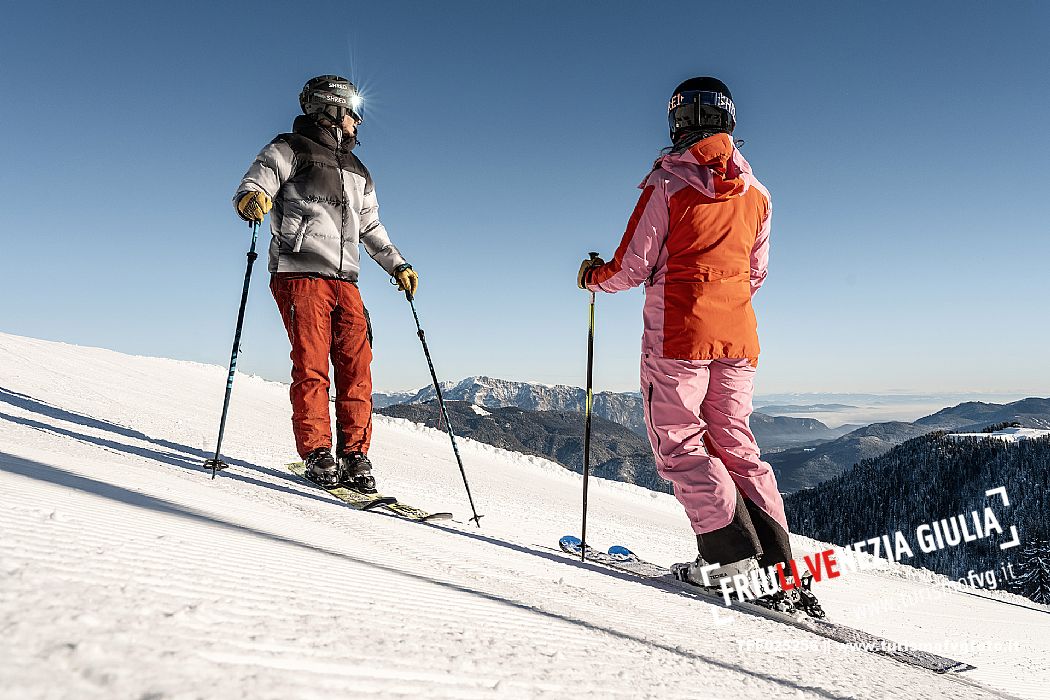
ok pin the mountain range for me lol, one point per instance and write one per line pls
(625, 408)
(545, 420)
(1029, 413)
(805, 467)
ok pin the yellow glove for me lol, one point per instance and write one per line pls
(407, 280)
(254, 205)
(585, 267)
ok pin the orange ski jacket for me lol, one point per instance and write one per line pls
(699, 241)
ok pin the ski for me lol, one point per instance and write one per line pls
(371, 501)
(354, 499)
(624, 560)
(412, 513)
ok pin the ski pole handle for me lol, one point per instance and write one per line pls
(397, 282)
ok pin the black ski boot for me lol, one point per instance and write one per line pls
(321, 467)
(794, 601)
(807, 602)
(781, 601)
(357, 472)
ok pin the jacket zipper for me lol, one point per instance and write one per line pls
(342, 214)
(300, 234)
(343, 204)
(652, 424)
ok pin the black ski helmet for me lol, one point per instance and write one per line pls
(331, 97)
(701, 103)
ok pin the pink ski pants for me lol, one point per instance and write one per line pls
(697, 413)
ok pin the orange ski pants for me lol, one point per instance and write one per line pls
(326, 320)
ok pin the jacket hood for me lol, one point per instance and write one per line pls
(713, 166)
(326, 136)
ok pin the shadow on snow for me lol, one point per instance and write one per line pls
(54, 475)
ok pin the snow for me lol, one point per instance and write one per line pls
(479, 410)
(126, 572)
(1007, 434)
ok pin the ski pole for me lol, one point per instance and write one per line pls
(215, 463)
(588, 406)
(444, 413)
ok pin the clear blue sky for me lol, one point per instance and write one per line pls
(905, 144)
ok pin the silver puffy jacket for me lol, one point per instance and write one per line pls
(324, 204)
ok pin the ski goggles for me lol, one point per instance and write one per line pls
(340, 98)
(683, 110)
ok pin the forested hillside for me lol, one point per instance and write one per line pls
(616, 452)
(936, 477)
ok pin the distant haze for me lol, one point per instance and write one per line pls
(862, 409)
(834, 410)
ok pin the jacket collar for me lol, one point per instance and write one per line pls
(326, 136)
(713, 166)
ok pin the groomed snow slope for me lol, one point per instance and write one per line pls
(126, 572)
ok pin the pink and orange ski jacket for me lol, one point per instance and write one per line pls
(699, 241)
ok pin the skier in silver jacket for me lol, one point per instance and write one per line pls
(324, 207)
(324, 201)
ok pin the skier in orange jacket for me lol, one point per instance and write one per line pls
(698, 241)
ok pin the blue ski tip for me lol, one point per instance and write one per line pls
(571, 545)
